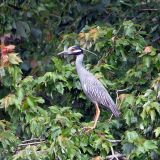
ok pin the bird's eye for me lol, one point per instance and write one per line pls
(73, 49)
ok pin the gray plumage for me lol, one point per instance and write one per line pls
(93, 88)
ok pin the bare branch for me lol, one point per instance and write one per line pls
(121, 90)
(33, 139)
(116, 155)
(117, 93)
(110, 117)
(114, 140)
(31, 143)
(149, 9)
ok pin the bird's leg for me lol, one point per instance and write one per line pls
(97, 115)
(87, 129)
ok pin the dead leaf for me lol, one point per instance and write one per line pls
(98, 75)
(4, 59)
(87, 37)
(14, 59)
(156, 84)
(94, 33)
(10, 47)
(122, 97)
(7, 49)
(81, 35)
(95, 36)
(113, 39)
(7, 101)
(94, 30)
(97, 158)
(148, 49)
(49, 36)
(2, 45)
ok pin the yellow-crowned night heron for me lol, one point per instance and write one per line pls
(92, 87)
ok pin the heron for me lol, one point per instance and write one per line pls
(91, 86)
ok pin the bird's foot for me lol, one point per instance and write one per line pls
(88, 129)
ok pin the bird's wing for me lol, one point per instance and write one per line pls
(97, 92)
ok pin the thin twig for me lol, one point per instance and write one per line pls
(89, 51)
(114, 156)
(156, 39)
(149, 9)
(32, 143)
(114, 140)
(31, 140)
(121, 90)
(110, 117)
(117, 92)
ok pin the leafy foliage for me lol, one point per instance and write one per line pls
(42, 106)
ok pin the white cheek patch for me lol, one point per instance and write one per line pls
(76, 51)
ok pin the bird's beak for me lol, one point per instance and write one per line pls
(63, 53)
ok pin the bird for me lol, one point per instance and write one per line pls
(92, 87)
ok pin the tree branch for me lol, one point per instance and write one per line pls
(31, 143)
(33, 139)
(116, 155)
(149, 9)
(114, 140)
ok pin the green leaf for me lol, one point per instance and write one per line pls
(2, 72)
(147, 61)
(60, 87)
(128, 148)
(97, 143)
(153, 115)
(39, 100)
(22, 29)
(131, 136)
(31, 102)
(129, 116)
(54, 109)
(20, 94)
(150, 145)
(56, 132)
(106, 147)
(157, 131)
(129, 29)
(130, 100)
(58, 63)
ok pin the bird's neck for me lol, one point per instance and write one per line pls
(79, 59)
(79, 63)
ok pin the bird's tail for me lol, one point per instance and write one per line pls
(115, 110)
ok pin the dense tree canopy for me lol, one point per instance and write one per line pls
(42, 106)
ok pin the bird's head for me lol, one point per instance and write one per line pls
(73, 50)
